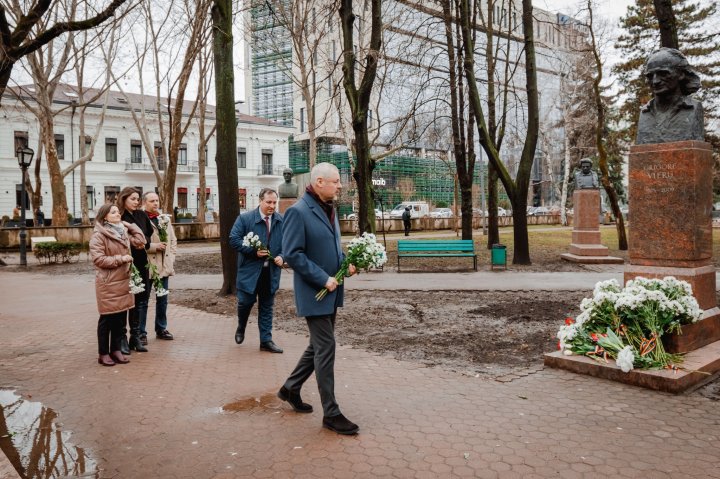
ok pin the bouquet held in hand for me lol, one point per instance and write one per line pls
(363, 252)
(136, 282)
(156, 280)
(163, 223)
(251, 240)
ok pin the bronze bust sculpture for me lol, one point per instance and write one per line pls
(288, 189)
(586, 178)
(671, 115)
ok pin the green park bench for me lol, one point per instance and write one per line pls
(436, 249)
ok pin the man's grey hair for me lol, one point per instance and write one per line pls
(266, 191)
(322, 170)
(148, 193)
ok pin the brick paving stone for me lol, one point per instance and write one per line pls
(162, 415)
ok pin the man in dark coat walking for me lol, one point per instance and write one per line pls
(406, 220)
(311, 242)
(258, 276)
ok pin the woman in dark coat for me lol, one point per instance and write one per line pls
(128, 202)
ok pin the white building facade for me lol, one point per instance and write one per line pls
(120, 157)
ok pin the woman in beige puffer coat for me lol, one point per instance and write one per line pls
(110, 254)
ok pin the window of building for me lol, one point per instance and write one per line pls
(182, 154)
(242, 195)
(267, 162)
(182, 198)
(242, 158)
(135, 151)
(159, 155)
(21, 140)
(87, 144)
(111, 150)
(302, 120)
(111, 193)
(60, 146)
(369, 118)
(18, 196)
(90, 193)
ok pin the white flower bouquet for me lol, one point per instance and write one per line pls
(156, 280)
(163, 223)
(627, 324)
(364, 252)
(251, 240)
(136, 282)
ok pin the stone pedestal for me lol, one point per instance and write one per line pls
(670, 235)
(671, 227)
(285, 203)
(586, 246)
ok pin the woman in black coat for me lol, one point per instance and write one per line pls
(128, 201)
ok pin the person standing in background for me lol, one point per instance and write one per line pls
(161, 255)
(110, 254)
(128, 202)
(258, 276)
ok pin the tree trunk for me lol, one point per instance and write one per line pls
(226, 158)
(57, 180)
(668, 25)
(492, 205)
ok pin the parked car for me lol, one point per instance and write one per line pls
(539, 211)
(378, 215)
(418, 209)
(441, 213)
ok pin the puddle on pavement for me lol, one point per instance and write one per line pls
(35, 443)
(267, 401)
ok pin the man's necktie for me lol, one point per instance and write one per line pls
(267, 223)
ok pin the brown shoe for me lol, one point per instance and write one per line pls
(118, 357)
(105, 360)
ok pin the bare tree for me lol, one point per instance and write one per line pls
(206, 78)
(33, 29)
(600, 133)
(226, 158)
(358, 96)
(516, 189)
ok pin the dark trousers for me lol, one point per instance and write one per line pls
(406, 224)
(319, 357)
(109, 331)
(141, 304)
(245, 302)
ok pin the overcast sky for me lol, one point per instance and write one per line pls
(610, 9)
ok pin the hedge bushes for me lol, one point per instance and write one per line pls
(57, 252)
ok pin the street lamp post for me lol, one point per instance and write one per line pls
(24, 157)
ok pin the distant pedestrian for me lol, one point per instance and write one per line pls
(110, 253)
(39, 217)
(406, 220)
(161, 255)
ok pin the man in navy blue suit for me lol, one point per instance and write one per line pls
(311, 243)
(258, 277)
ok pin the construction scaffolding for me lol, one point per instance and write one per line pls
(396, 178)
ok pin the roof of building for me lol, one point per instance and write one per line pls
(67, 94)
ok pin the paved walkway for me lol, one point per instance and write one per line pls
(202, 407)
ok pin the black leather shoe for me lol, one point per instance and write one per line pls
(294, 400)
(164, 334)
(143, 339)
(340, 424)
(124, 346)
(239, 335)
(137, 345)
(270, 347)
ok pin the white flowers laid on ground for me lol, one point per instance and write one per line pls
(364, 252)
(627, 324)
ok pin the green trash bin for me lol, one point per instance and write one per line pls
(498, 256)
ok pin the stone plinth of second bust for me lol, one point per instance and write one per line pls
(586, 246)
